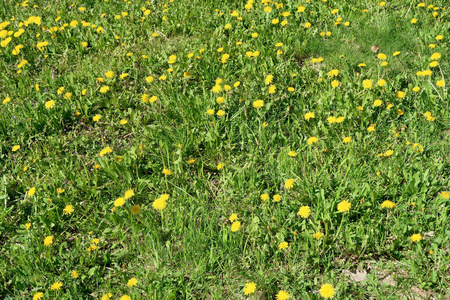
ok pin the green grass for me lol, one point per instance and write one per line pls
(188, 250)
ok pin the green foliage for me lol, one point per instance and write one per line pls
(88, 157)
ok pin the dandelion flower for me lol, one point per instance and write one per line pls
(68, 210)
(331, 119)
(125, 297)
(318, 235)
(367, 84)
(233, 217)
(109, 74)
(435, 56)
(38, 296)
(56, 286)
(105, 150)
(264, 197)
(292, 153)
(387, 204)
(344, 206)
(382, 56)
(268, 79)
(75, 274)
(335, 83)
(160, 203)
(282, 295)
(327, 291)
(96, 118)
(31, 191)
(129, 194)
(276, 198)
(119, 202)
(304, 212)
(220, 113)
(49, 104)
(166, 172)
(132, 282)
(347, 140)
(235, 226)
(377, 103)
(250, 288)
(309, 115)
(416, 237)
(15, 148)
(258, 104)
(107, 296)
(312, 140)
(400, 94)
(283, 245)
(381, 82)
(289, 184)
(388, 153)
(440, 83)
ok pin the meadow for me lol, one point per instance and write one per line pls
(204, 149)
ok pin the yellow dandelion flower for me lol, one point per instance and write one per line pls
(387, 204)
(166, 172)
(105, 150)
(283, 245)
(48, 241)
(289, 183)
(132, 282)
(68, 210)
(233, 217)
(327, 291)
(38, 296)
(31, 191)
(119, 202)
(128, 194)
(282, 295)
(49, 104)
(160, 203)
(367, 84)
(56, 286)
(258, 104)
(304, 212)
(250, 288)
(344, 206)
(416, 237)
(235, 226)
(400, 94)
(312, 140)
(309, 115)
(318, 235)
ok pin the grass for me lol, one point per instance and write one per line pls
(59, 184)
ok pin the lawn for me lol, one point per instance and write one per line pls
(224, 149)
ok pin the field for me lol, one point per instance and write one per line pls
(194, 149)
